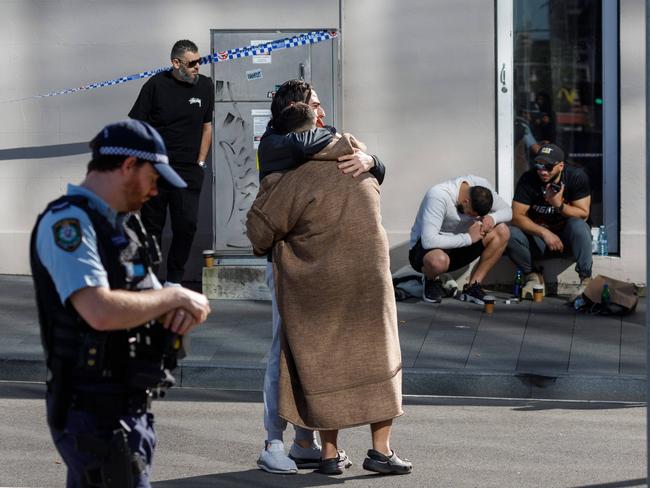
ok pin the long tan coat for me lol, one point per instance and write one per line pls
(340, 364)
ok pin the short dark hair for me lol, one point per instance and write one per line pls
(105, 163)
(481, 200)
(297, 117)
(289, 92)
(181, 47)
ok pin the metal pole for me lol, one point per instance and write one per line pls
(647, 226)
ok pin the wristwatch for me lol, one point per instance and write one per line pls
(202, 164)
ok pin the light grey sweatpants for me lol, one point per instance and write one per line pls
(273, 423)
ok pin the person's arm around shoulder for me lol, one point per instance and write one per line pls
(360, 162)
(282, 152)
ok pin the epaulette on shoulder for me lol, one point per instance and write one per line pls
(57, 207)
(67, 201)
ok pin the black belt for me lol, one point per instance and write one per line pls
(106, 404)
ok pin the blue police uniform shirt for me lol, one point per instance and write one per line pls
(66, 244)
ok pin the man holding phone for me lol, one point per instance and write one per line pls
(549, 215)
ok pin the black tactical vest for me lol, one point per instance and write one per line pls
(75, 352)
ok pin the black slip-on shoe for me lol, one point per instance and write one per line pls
(379, 463)
(334, 465)
(330, 466)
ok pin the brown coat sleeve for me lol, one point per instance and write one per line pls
(273, 213)
(356, 143)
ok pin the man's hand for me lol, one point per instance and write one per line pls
(359, 162)
(476, 231)
(553, 242)
(488, 224)
(552, 197)
(179, 321)
(193, 309)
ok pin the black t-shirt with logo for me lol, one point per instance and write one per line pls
(530, 191)
(178, 111)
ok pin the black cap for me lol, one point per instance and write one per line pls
(549, 154)
(136, 138)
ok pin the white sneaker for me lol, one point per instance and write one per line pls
(532, 279)
(305, 457)
(274, 460)
(450, 285)
(171, 284)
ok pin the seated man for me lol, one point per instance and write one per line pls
(340, 362)
(549, 213)
(458, 221)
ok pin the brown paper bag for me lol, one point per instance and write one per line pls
(621, 293)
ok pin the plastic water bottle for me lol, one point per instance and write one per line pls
(519, 284)
(603, 248)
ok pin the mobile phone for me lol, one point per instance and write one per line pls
(556, 187)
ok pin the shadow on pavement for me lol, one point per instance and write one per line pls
(33, 390)
(522, 405)
(617, 484)
(257, 478)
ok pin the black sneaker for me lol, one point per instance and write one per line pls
(432, 290)
(392, 464)
(473, 293)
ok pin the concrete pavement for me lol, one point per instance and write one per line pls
(211, 438)
(524, 350)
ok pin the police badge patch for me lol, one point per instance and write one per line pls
(67, 234)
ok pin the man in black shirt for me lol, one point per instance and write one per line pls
(549, 213)
(179, 104)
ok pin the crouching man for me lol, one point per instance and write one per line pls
(458, 221)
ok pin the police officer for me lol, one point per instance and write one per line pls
(111, 333)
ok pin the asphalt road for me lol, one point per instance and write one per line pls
(212, 438)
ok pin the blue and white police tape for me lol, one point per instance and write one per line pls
(217, 57)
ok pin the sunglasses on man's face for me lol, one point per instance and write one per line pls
(190, 64)
(548, 167)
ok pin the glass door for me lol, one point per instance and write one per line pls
(558, 82)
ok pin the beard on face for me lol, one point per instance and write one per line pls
(186, 76)
(460, 209)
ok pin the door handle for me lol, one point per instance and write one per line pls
(502, 78)
(302, 71)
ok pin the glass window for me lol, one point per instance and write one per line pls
(560, 87)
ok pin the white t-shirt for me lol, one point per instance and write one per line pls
(438, 223)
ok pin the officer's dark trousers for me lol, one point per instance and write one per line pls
(576, 237)
(142, 440)
(183, 211)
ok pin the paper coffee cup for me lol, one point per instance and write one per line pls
(538, 293)
(488, 300)
(208, 258)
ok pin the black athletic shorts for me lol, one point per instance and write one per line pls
(458, 257)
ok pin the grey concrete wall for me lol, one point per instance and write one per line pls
(52, 45)
(418, 88)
